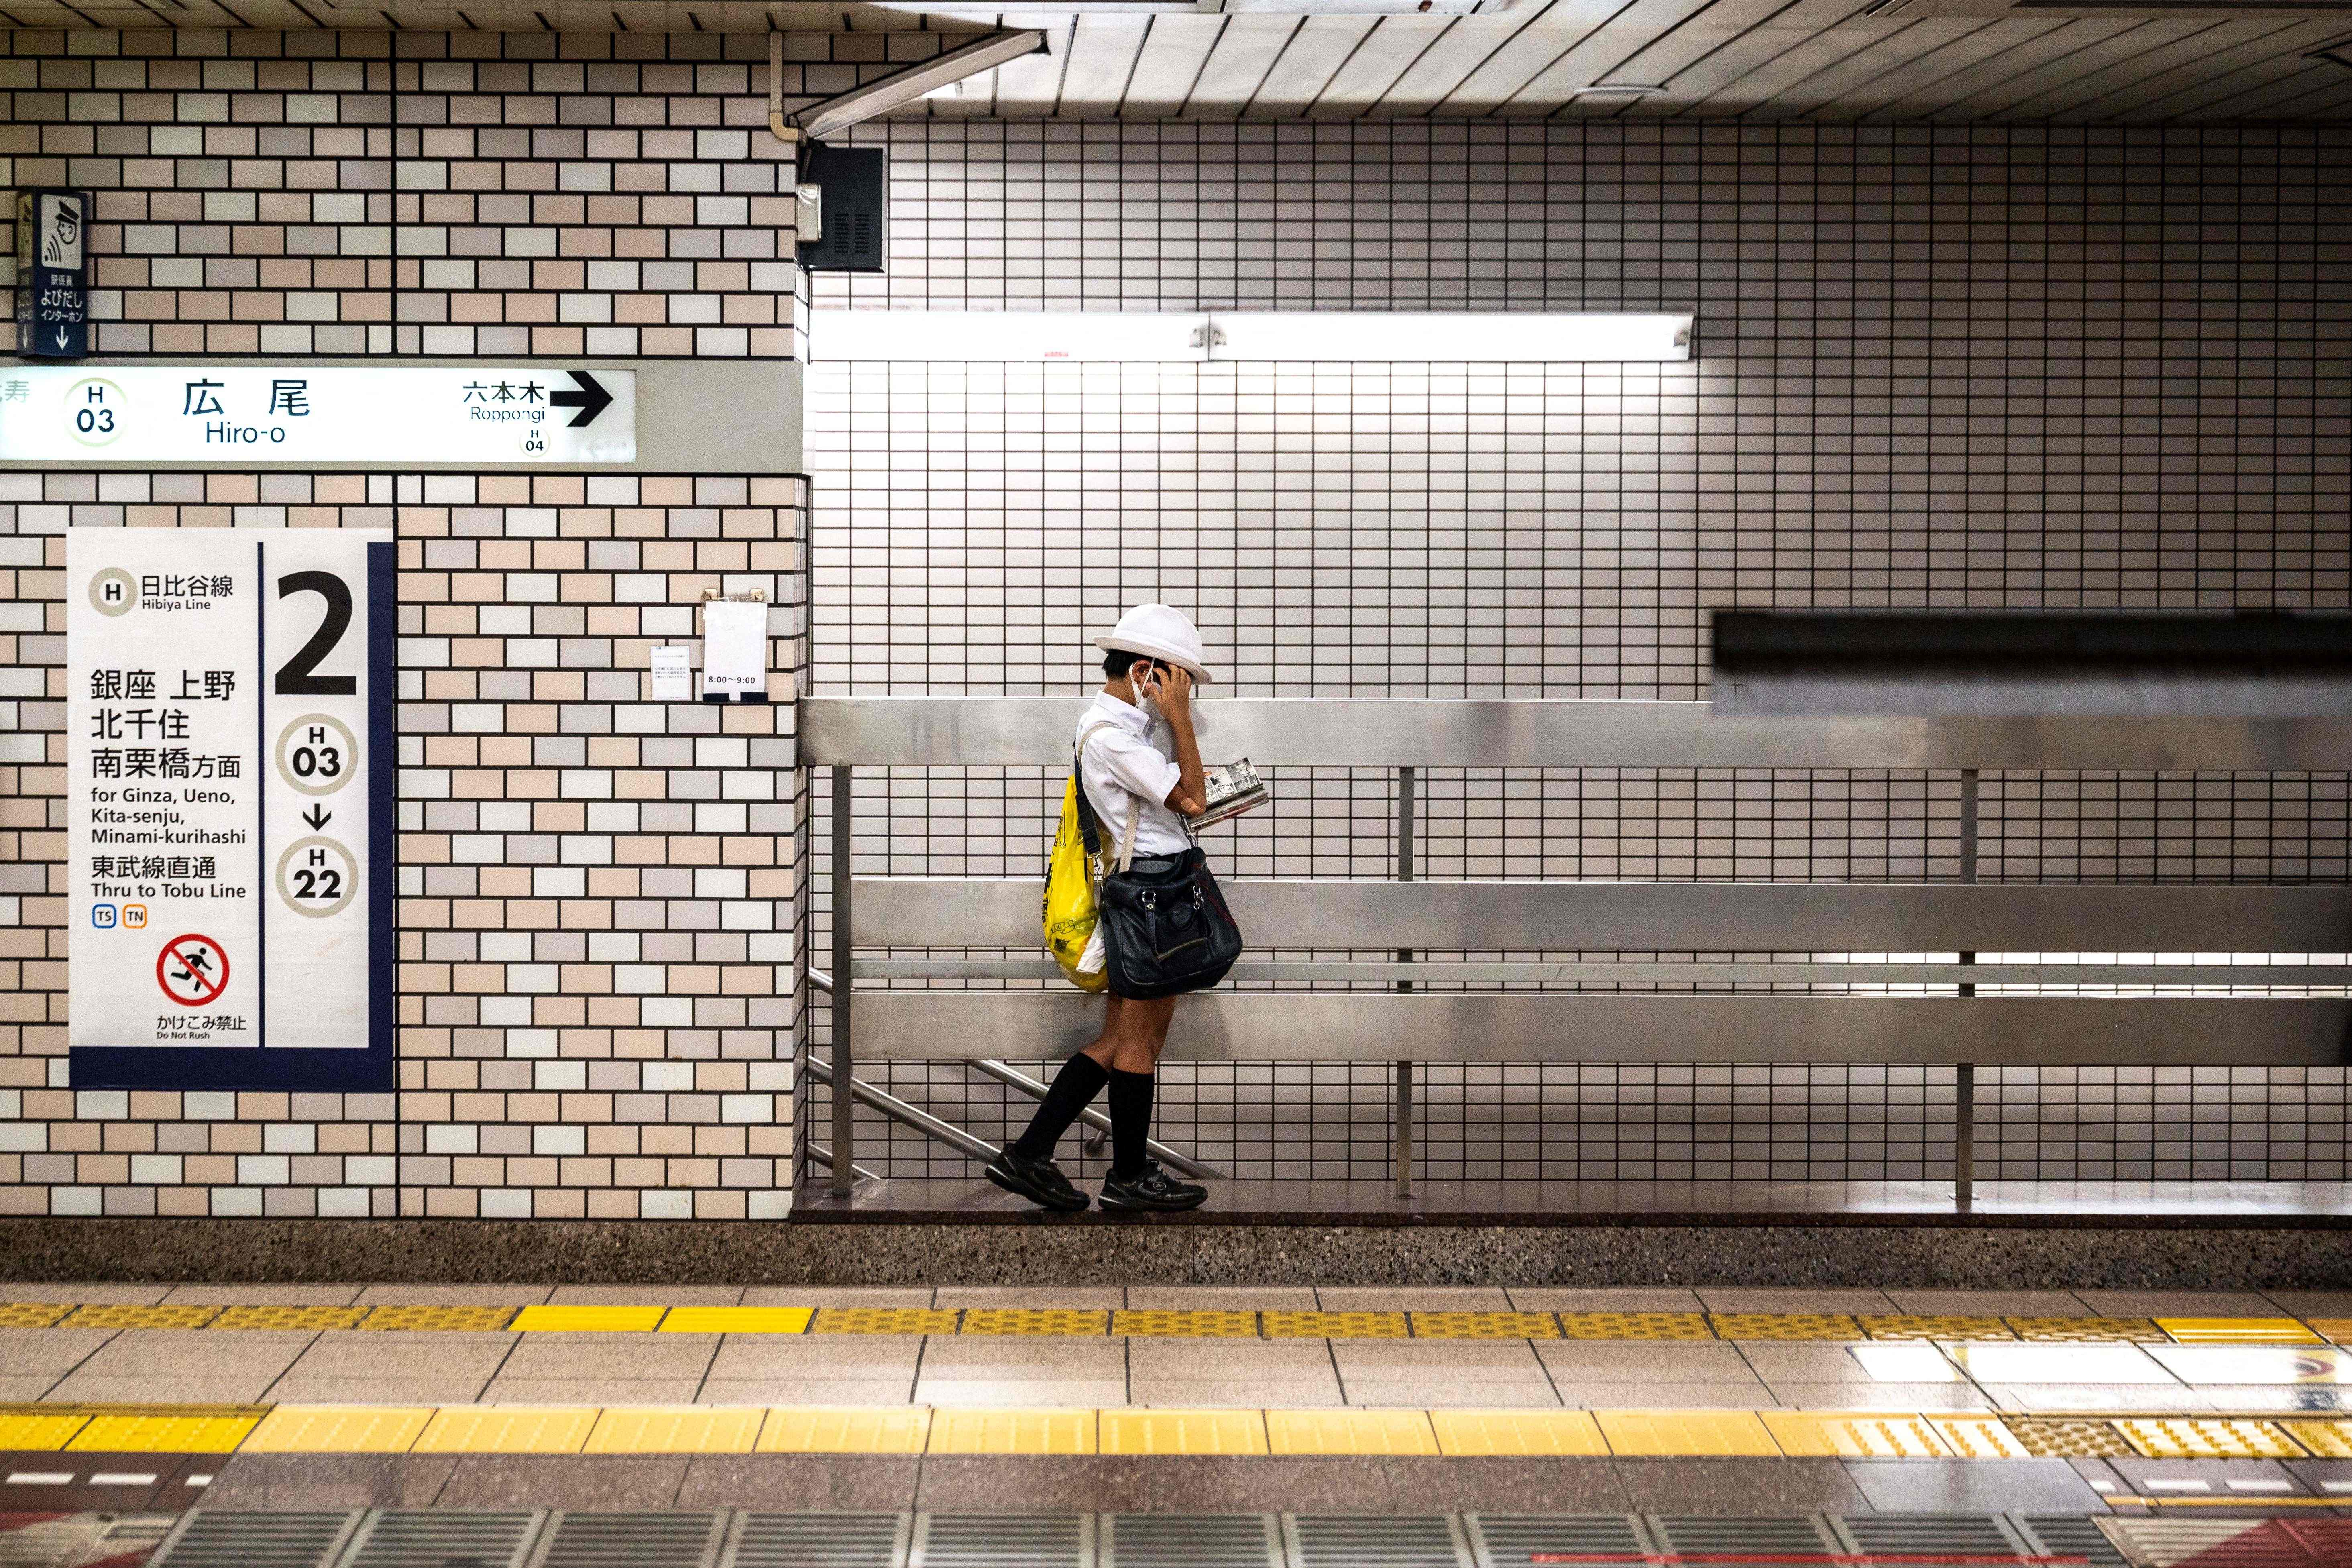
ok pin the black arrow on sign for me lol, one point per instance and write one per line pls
(592, 399)
(318, 817)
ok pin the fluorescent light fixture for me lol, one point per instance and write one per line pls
(1618, 91)
(1361, 337)
(900, 89)
(1504, 337)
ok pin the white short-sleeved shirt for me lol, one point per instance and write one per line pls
(1122, 761)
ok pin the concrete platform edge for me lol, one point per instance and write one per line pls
(2221, 1255)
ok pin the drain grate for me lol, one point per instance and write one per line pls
(1413, 1540)
(2213, 1543)
(1590, 1541)
(205, 1539)
(631, 1540)
(1934, 1539)
(2068, 1535)
(1002, 1540)
(818, 1540)
(442, 1538)
(1190, 1540)
(1750, 1543)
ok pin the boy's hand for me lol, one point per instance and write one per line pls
(1172, 690)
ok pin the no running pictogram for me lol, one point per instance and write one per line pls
(193, 970)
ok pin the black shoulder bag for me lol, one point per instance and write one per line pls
(1164, 925)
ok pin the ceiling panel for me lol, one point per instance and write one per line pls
(1822, 60)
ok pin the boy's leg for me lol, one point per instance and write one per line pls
(1134, 1182)
(1074, 1089)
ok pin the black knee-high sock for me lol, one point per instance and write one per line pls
(1074, 1088)
(1130, 1121)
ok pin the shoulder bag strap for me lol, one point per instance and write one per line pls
(1089, 824)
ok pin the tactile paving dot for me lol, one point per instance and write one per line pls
(2088, 1331)
(1483, 1326)
(32, 1314)
(1855, 1436)
(1785, 1326)
(440, 1320)
(1336, 1325)
(1980, 1437)
(2206, 1437)
(115, 1317)
(1028, 1322)
(289, 1317)
(1634, 1326)
(2068, 1437)
(1144, 1323)
(885, 1320)
(2328, 1439)
(1931, 1326)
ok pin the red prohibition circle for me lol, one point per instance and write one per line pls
(171, 950)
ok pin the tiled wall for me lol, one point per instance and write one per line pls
(598, 893)
(1986, 366)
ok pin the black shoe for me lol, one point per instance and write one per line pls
(1039, 1181)
(1152, 1189)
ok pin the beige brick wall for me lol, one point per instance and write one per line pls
(599, 895)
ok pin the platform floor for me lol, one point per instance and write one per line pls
(1823, 1409)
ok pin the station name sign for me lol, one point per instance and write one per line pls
(307, 415)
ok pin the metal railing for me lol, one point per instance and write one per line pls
(1981, 1017)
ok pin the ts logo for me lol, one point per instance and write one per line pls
(102, 916)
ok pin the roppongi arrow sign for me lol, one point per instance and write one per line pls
(229, 807)
(307, 416)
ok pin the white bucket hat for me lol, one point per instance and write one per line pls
(1163, 632)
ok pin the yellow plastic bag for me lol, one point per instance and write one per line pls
(1070, 902)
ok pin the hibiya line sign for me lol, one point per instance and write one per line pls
(229, 793)
(310, 416)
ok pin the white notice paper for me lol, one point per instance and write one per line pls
(673, 676)
(735, 650)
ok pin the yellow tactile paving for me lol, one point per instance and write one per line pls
(339, 1429)
(1921, 1326)
(194, 1430)
(738, 1320)
(1182, 1432)
(2067, 1437)
(2336, 1330)
(1185, 1325)
(885, 1320)
(2206, 1437)
(1686, 1434)
(588, 1320)
(111, 1317)
(1054, 1432)
(25, 1429)
(2326, 1440)
(1483, 1326)
(1785, 1326)
(1033, 1323)
(2087, 1330)
(1349, 1432)
(1518, 1434)
(508, 1429)
(1634, 1326)
(886, 1430)
(1805, 1435)
(440, 1320)
(289, 1318)
(1336, 1325)
(2238, 1331)
(32, 1314)
(676, 1429)
(1980, 1437)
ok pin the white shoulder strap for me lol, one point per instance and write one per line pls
(1134, 807)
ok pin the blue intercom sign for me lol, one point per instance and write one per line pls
(52, 274)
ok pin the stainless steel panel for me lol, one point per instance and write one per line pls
(1255, 971)
(1674, 916)
(1010, 730)
(1520, 1026)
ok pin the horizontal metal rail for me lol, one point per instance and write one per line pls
(1606, 1027)
(1672, 917)
(2330, 976)
(979, 732)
